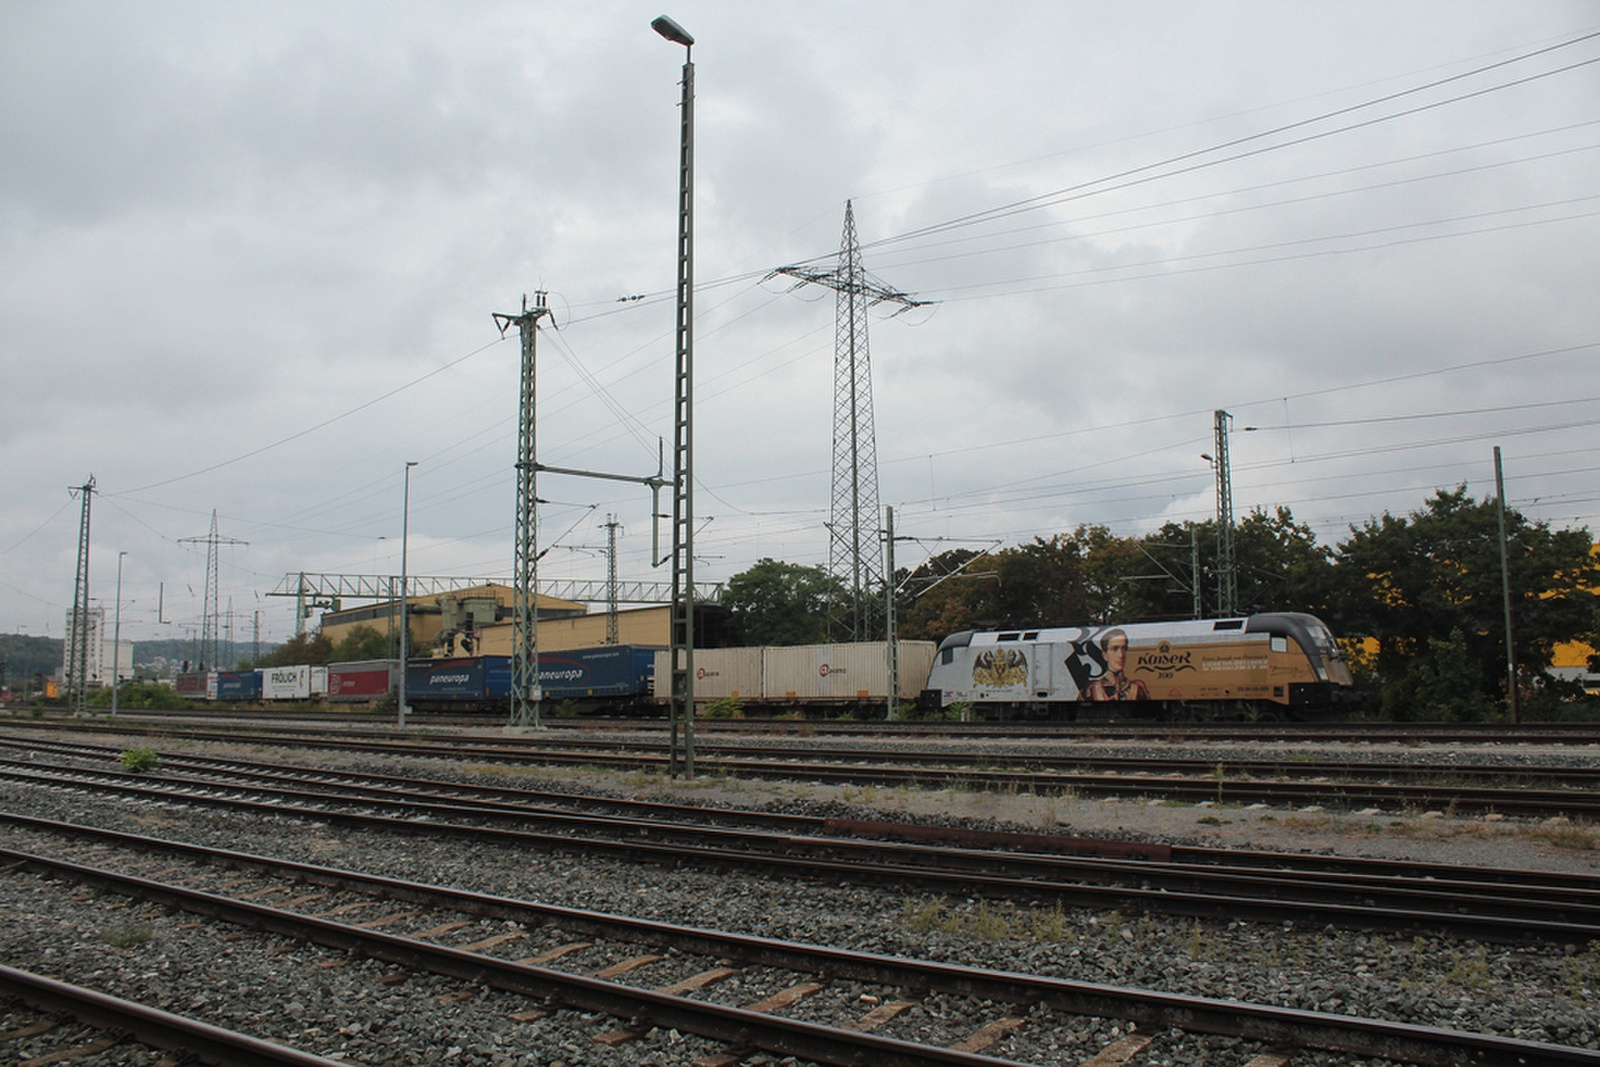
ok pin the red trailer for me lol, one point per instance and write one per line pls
(368, 680)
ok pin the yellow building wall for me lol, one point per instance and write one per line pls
(427, 621)
(640, 626)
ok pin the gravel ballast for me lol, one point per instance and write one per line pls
(337, 1006)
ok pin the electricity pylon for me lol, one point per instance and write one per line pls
(211, 604)
(854, 553)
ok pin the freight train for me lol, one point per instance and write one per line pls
(619, 679)
(1278, 666)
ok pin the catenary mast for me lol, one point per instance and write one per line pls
(525, 691)
(76, 665)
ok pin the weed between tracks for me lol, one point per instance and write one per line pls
(985, 922)
(127, 936)
(1580, 974)
(1563, 833)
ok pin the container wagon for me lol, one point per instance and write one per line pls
(364, 681)
(304, 681)
(481, 683)
(846, 675)
(611, 678)
(235, 687)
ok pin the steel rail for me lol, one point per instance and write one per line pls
(1400, 1041)
(1553, 893)
(1565, 886)
(1512, 801)
(1234, 768)
(152, 1026)
(1485, 909)
(639, 1008)
(1364, 732)
(956, 870)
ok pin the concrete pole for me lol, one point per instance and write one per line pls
(116, 642)
(405, 621)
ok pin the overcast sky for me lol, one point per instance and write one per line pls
(249, 254)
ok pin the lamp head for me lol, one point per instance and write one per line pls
(671, 31)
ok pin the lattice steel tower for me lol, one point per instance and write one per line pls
(211, 602)
(526, 693)
(612, 621)
(854, 551)
(1227, 570)
(75, 665)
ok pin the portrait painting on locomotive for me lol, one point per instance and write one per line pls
(1263, 663)
(1109, 666)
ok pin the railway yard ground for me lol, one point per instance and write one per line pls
(1527, 976)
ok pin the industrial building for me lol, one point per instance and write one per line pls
(479, 621)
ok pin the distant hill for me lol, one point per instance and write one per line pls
(174, 652)
(26, 656)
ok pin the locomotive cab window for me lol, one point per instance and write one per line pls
(1280, 643)
(1008, 637)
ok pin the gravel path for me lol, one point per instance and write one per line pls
(337, 1006)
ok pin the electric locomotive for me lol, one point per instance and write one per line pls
(1278, 665)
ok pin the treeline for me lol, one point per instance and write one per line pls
(26, 657)
(361, 643)
(1416, 599)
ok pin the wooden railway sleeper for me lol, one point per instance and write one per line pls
(1258, 1022)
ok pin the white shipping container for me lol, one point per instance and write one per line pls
(843, 672)
(916, 663)
(289, 683)
(319, 681)
(719, 673)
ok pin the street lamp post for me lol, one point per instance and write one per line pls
(681, 708)
(116, 641)
(405, 622)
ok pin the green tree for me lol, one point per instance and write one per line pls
(301, 648)
(362, 643)
(775, 603)
(1064, 579)
(25, 656)
(1278, 563)
(942, 595)
(1052, 581)
(1281, 564)
(1426, 588)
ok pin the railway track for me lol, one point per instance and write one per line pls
(1488, 904)
(1345, 732)
(104, 1022)
(1351, 785)
(854, 1002)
